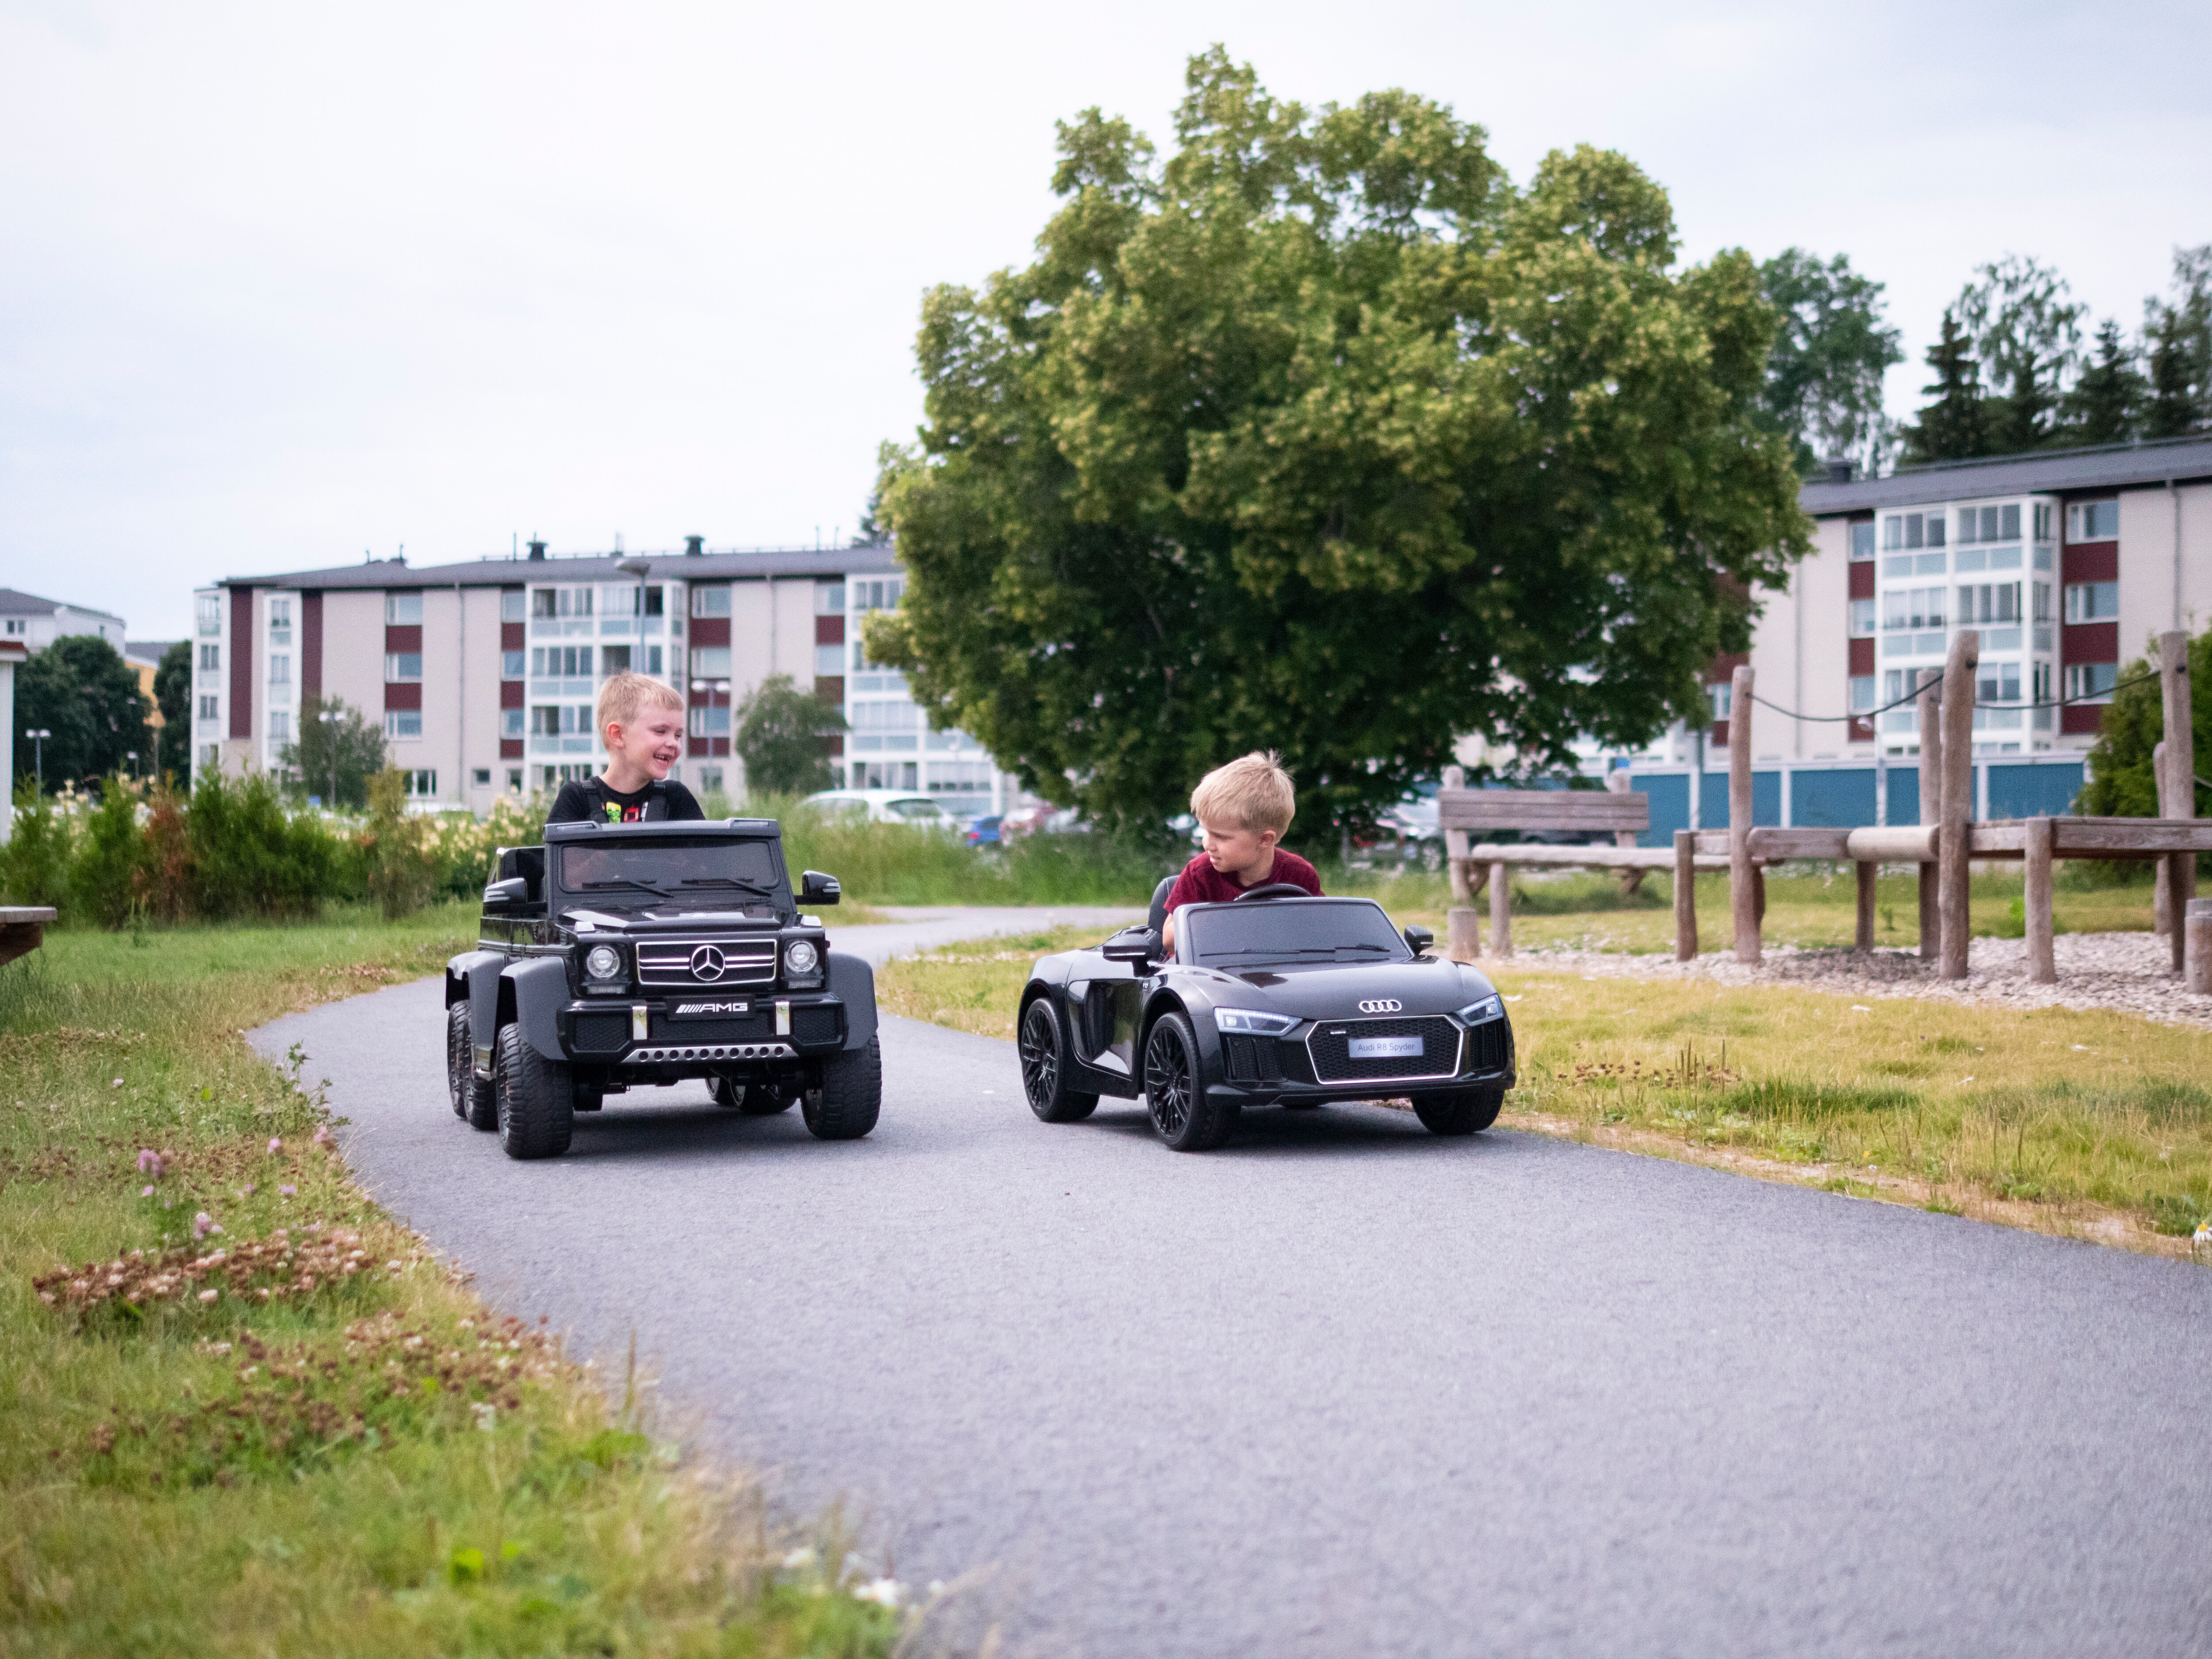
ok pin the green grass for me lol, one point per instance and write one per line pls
(363, 1462)
(2051, 1118)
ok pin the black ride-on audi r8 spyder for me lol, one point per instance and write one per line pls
(1278, 999)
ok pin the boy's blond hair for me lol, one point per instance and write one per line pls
(1252, 791)
(625, 694)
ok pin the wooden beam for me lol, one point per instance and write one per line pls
(1501, 913)
(2042, 961)
(1455, 843)
(2179, 796)
(1462, 934)
(1955, 861)
(1863, 874)
(1931, 709)
(1601, 810)
(1905, 845)
(2196, 931)
(1743, 901)
(1771, 846)
(2112, 838)
(1594, 858)
(1686, 895)
(2161, 893)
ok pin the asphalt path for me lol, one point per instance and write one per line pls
(1344, 1387)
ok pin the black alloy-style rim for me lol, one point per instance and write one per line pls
(1040, 1056)
(1167, 1081)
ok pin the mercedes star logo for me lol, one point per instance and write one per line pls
(1374, 1006)
(707, 963)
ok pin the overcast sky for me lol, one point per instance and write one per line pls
(282, 284)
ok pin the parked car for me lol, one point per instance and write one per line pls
(1276, 998)
(984, 832)
(882, 806)
(617, 957)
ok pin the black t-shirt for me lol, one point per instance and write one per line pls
(593, 802)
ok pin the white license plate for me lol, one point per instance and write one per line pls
(1406, 1048)
(720, 1010)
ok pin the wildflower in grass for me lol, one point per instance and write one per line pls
(117, 1084)
(276, 1145)
(202, 1224)
(288, 1190)
(146, 1191)
(152, 1162)
(883, 1592)
(323, 1137)
(487, 1415)
(801, 1557)
(209, 1295)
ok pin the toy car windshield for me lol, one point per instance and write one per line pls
(644, 873)
(1298, 929)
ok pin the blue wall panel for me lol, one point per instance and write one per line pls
(1670, 806)
(1831, 800)
(2020, 791)
(1904, 795)
(1712, 801)
(1765, 801)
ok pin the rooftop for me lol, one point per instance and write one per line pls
(2040, 471)
(513, 570)
(13, 604)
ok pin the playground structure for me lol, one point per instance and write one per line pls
(22, 929)
(1943, 845)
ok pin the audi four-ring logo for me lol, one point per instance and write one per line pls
(1377, 1005)
(707, 963)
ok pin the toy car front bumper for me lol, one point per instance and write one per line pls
(1250, 1072)
(696, 1034)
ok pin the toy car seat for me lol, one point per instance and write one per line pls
(1159, 913)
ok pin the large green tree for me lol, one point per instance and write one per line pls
(2026, 330)
(1823, 374)
(2105, 405)
(779, 738)
(173, 696)
(346, 752)
(1320, 436)
(80, 688)
(1953, 423)
(2120, 783)
(2178, 348)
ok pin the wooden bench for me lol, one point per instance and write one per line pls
(22, 929)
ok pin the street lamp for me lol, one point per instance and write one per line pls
(131, 755)
(38, 755)
(639, 568)
(329, 717)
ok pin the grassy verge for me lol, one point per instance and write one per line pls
(2091, 1123)
(264, 1420)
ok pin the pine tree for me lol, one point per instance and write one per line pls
(2178, 342)
(1953, 426)
(2106, 402)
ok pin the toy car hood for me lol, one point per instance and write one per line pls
(1427, 985)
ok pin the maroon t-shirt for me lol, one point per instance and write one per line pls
(1202, 883)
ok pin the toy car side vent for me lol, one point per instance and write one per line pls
(1254, 1059)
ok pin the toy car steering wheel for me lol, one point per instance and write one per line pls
(1274, 889)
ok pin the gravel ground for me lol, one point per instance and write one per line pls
(2130, 973)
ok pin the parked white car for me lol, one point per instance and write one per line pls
(882, 806)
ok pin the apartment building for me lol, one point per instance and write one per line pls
(2069, 563)
(35, 624)
(484, 674)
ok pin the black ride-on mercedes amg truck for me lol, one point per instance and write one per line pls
(616, 957)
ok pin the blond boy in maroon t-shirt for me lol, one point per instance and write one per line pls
(1244, 808)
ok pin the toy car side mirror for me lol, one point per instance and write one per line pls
(1419, 938)
(515, 889)
(815, 888)
(1133, 945)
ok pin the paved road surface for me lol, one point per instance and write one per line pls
(1344, 1388)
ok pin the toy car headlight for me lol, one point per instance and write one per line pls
(1252, 1021)
(1476, 1013)
(603, 962)
(800, 957)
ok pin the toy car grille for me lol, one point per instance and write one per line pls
(1334, 1062)
(753, 1029)
(1493, 1046)
(1254, 1059)
(599, 1034)
(707, 961)
(814, 1023)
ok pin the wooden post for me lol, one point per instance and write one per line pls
(1865, 871)
(1958, 799)
(1743, 900)
(1455, 849)
(2179, 795)
(1631, 881)
(2161, 872)
(1685, 895)
(1501, 914)
(1462, 934)
(2042, 963)
(2197, 929)
(1931, 812)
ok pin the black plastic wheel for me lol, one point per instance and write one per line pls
(845, 1107)
(1462, 1112)
(537, 1101)
(1175, 1091)
(1043, 1047)
(471, 1095)
(754, 1099)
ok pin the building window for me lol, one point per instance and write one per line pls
(2093, 522)
(16, 627)
(710, 779)
(210, 757)
(210, 659)
(1912, 607)
(653, 659)
(1862, 618)
(1862, 693)
(1907, 530)
(1721, 695)
(710, 601)
(279, 669)
(421, 784)
(481, 778)
(560, 662)
(561, 601)
(655, 604)
(545, 720)
(403, 667)
(884, 595)
(1988, 602)
(403, 722)
(1997, 682)
(614, 660)
(828, 658)
(2043, 521)
(511, 664)
(710, 662)
(711, 722)
(2042, 682)
(280, 621)
(513, 780)
(512, 604)
(510, 722)
(280, 725)
(1990, 523)
(2042, 597)
(210, 706)
(829, 599)
(210, 613)
(2092, 601)
(1862, 541)
(2091, 680)
(403, 610)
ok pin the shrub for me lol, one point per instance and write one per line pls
(249, 857)
(34, 861)
(103, 878)
(402, 868)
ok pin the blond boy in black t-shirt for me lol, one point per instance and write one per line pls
(642, 722)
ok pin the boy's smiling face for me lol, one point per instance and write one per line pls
(644, 748)
(1241, 854)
